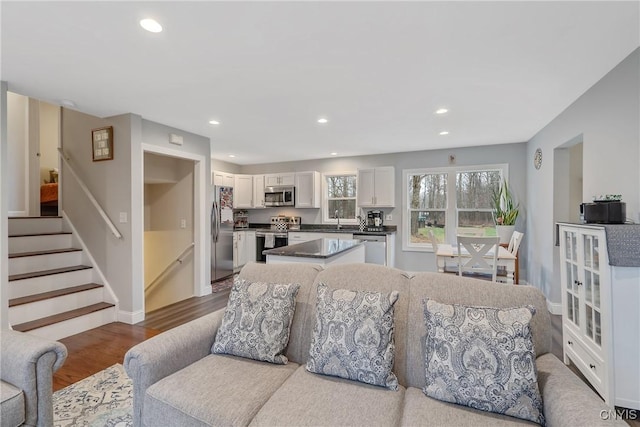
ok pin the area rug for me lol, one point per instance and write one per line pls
(103, 399)
(223, 285)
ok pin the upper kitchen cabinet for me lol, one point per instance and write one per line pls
(376, 187)
(223, 179)
(243, 191)
(258, 191)
(275, 179)
(308, 190)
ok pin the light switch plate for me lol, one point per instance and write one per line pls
(175, 139)
(389, 217)
(123, 217)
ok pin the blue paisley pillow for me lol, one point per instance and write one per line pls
(257, 321)
(483, 358)
(353, 336)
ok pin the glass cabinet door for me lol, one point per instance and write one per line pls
(573, 283)
(591, 274)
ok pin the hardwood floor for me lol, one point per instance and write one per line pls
(97, 349)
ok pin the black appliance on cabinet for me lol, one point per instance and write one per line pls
(604, 212)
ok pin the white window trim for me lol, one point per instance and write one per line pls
(451, 214)
(325, 207)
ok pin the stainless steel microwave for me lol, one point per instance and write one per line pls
(279, 196)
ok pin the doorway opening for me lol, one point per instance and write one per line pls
(567, 190)
(169, 247)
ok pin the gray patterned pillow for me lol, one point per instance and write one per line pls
(483, 358)
(353, 336)
(257, 321)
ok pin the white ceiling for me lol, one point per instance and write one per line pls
(268, 70)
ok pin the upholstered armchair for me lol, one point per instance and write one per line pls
(27, 364)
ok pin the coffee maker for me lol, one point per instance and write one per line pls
(375, 220)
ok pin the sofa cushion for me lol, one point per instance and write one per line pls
(353, 336)
(257, 320)
(420, 410)
(483, 358)
(451, 289)
(12, 409)
(216, 390)
(303, 274)
(307, 399)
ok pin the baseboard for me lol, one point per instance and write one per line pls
(554, 308)
(130, 317)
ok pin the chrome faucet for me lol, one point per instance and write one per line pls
(336, 214)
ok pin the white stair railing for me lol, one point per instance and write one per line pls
(87, 192)
(178, 260)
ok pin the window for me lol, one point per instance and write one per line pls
(447, 202)
(339, 198)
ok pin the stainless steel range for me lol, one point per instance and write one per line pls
(276, 235)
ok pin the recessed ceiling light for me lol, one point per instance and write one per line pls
(444, 132)
(214, 122)
(442, 111)
(323, 120)
(151, 25)
(232, 155)
(334, 154)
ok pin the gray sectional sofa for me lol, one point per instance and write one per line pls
(178, 382)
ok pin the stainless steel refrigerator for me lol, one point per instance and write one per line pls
(222, 233)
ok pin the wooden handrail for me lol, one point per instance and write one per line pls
(178, 260)
(87, 192)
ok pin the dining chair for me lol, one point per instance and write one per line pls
(514, 245)
(478, 256)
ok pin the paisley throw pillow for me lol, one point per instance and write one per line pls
(482, 358)
(353, 336)
(257, 321)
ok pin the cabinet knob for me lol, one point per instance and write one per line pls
(570, 342)
(592, 366)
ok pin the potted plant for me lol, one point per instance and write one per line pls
(505, 212)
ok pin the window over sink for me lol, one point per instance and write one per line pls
(448, 201)
(339, 195)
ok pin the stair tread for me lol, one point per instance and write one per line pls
(53, 294)
(47, 252)
(41, 273)
(35, 217)
(61, 317)
(51, 233)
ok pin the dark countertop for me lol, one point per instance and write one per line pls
(320, 248)
(325, 228)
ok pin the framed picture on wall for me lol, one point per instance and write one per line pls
(102, 143)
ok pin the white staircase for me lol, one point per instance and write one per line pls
(52, 287)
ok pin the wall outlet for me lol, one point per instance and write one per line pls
(183, 223)
(123, 217)
(388, 217)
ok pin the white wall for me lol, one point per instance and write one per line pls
(607, 117)
(512, 154)
(17, 136)
(49, 138)
(4, 212)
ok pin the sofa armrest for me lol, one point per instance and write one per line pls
(28, 363)
(166, 353)
(567, 400)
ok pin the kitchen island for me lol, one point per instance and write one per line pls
(320, 251)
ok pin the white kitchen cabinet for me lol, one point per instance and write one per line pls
(223, 179)
(306, 236)
(243, 192)
(244, 248)
(258, 191)
(276, 179)
(599, 316)
(308, 190)
(376, 187)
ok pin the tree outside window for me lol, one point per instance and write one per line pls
(448, 202)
